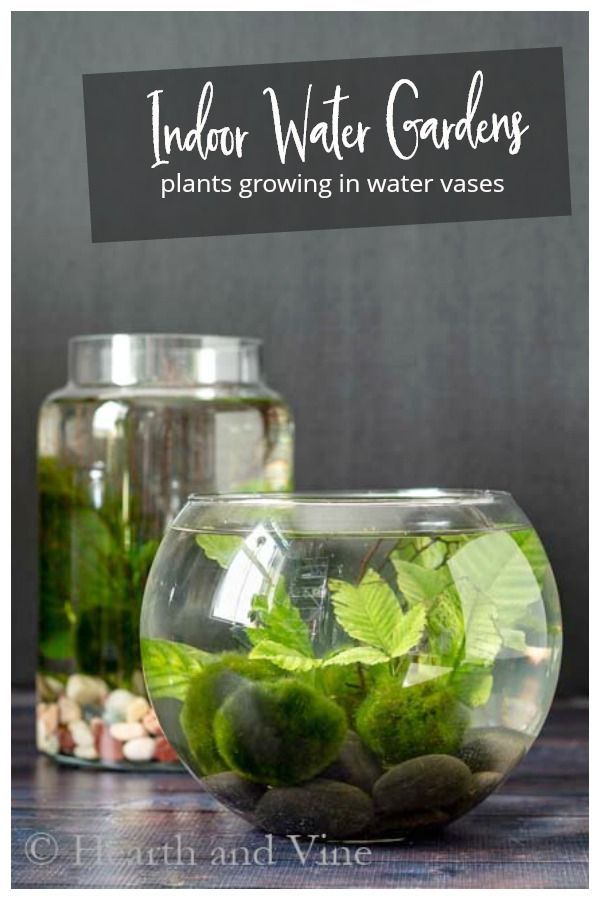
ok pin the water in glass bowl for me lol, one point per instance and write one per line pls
(356, 687)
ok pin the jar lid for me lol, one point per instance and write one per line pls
(164, 360)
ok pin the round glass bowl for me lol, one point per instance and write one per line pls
(351, 666)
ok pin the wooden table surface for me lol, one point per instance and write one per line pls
(81, 828)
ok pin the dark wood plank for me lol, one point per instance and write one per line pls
(532, 833)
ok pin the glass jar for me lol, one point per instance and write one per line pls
(144, 420)
(351, 666)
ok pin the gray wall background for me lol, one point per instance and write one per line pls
(452, 354)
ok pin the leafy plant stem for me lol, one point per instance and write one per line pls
(361, 677)
(364, 565)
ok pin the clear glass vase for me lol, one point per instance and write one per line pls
(351, 666)
(143, 421)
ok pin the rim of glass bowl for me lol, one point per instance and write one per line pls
(356, 513)
(401, 496)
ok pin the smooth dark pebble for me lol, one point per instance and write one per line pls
(481, 784)
(404, 824)
(233, 791)
(355, 764)
(423, 783)
(484, 783)
(492, 749)
(320, 807)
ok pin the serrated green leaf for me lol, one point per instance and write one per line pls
(408, 630)
(497, 587)
(283, 656)
(417, 584)
(169, 665)
(514, 638)
(533, 550)
(445, 627)
(496, 566)
(220, 547)
(472, 685)
(482, 637)
(279, 622)
(425, 551)
(96, 559)
(367, 656)
(369, 612)
(430, 554)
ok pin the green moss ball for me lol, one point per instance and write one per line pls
(279, 733)
(206, 692)
(399, 723)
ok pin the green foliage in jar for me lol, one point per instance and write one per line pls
(445, 602)
(346, 685)
(170, 665)
(93, 568)
(423, 631)
(58, 496)
(279, 733)
(219, 547)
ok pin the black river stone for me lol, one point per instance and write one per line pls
(322, 807)
(399, 825)
(235, 792)
(492, 749)
(423, 783)
(482, 784)
(355, 764)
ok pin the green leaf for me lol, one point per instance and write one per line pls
(367, 656)
(58, 645)
(496, 586)
(283, 656)
(169, 665)
(425, 552)
(279, 622)
(496, 566)
(533, 550)
(408, 630)
(482, 638)
(417, 583)
(472, 684)
(220, 547)
(445, 627)
(369, 612)
(97, 561)
(514, 638)
(140, 560)
(431, 554)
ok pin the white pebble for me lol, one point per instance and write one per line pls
(46, 743)
(136, 709)
(85, 751)
(49, 716)
(127, 731)
(68, 710)
(139, 749)
(51, 745)
(151, 723)
(82, 733)
(86, 689)
(117, 703)
(41, 733)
